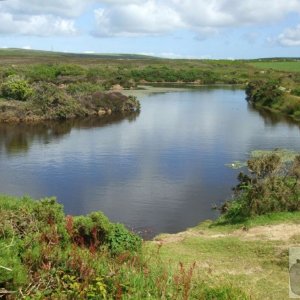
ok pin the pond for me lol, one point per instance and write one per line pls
(160, 171)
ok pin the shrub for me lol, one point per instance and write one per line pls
(271, 186)
(296, 92)
(41, 72)
(264, 92)
(120, 240)
(95, 230)
(84, 88)
(91, 230)
(17, 88)
(54, 102)
(116, 102)
(51, 72)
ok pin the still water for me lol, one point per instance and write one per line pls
(159, 171)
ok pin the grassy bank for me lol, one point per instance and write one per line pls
(250, 257)
(271, 95)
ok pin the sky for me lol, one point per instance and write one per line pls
(212, 29)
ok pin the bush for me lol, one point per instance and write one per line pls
(54, 102)
(69, 256)
(83, 88)
(264, 92)
(95, 230)
(91, 230)
(115, 102)
(51, 72)
(44, 72)
(296, 92)
(271, 186)
(17, 88)
(120, 240)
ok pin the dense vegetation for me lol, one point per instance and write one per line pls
(270, 94)
(271, 185)
(45, 100)
(47, 255)
(27, 78)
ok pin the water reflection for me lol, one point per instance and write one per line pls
(273, 118)
(18, 138)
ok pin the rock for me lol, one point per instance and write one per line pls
(101, 112)
(117, 87)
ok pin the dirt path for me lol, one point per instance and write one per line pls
(280, 232)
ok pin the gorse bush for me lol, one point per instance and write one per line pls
(270, 95)
(63, 254)
(271, 185)
(16, 88)
(120, 240)
(264, 92)
(115, 102)
(50, 100)
(47, 255)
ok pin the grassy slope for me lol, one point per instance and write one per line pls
(251, 256)
(287, 66)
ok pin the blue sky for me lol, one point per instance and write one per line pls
(167, 28)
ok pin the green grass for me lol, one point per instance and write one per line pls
(255, 265)
(287, 66)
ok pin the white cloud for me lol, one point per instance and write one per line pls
(138, 18)
(40, 25)
(133, 19)
(290, 37)
(204, 17)
(65, 8)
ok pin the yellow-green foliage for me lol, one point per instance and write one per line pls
(54, 102)
(15, 87)
(37, 242)
(47, 255)
(270, 95)
(272, 185)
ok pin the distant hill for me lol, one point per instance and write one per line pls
(29, 52)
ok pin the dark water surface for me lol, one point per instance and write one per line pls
(161, 170)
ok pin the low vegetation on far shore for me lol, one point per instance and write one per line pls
(42, 100)
(38, 85)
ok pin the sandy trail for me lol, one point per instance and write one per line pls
(280, 232)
